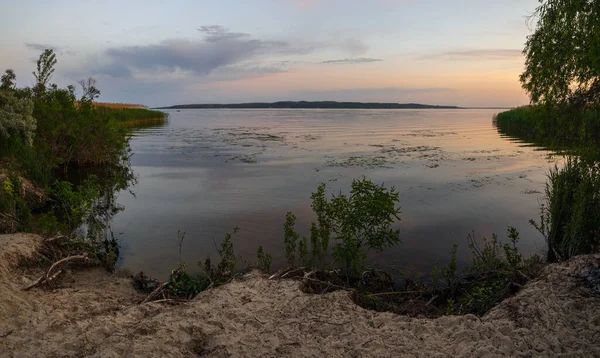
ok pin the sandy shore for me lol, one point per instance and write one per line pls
(93, 313)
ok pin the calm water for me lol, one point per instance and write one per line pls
(207, 171)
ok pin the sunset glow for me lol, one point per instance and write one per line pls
(465, 53)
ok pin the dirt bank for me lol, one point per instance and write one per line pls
(93, 313)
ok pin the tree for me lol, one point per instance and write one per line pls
(90, 92)
(8, 80)
(562, 63)
(45, 70)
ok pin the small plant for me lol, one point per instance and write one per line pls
(450, 307)
(303, 252)
(449, 270)
(510, 250)
(226, 266)
(290, 238)
(264, 260)
(180, 238)
(434, 276)
(320, 232)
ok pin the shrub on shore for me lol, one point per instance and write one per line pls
(353, 224)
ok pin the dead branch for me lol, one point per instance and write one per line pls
(278, 274)
(83, 258)
(42, 279)
(156, 292)
(48, 277)
(431, 300)
(293, 272)
(328, 284)
(35, 283)
(52, 239)
(169, 301)
(309, 274)
(393, 293)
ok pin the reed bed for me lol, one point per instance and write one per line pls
(134, 116)
(554, 128)
(118, 105)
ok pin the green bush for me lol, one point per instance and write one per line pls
(14, 208)
(356, 223)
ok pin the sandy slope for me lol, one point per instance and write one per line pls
(96, 314)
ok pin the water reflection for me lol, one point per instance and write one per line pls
(207, 171)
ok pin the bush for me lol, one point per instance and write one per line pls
(355, 224)
(570, 216)
(14, 208)
(16, 117)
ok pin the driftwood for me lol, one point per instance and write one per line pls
(83, 258)
(309, 274)
(171, 301)
(393, 293)
(329, 284)
(280, 273)
(156, 292)
(301, 274)
(291, 273)
(52, 239)
(431, 300)
(48, 276)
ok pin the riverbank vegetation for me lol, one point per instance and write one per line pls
(334, 257)
(562, 77)
(62, 159)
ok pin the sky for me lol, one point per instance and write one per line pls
(158, 52)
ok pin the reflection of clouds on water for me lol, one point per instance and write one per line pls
(209, 170)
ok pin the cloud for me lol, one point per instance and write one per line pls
(219, 48)
(478, 55)
(41, 47)
(349, 61)
(354, 46)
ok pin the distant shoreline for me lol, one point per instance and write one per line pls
(311, 105)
